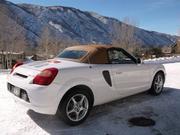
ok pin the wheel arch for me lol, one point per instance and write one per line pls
(84, 87)
(155, 73)
(160, 71)
(152, 89)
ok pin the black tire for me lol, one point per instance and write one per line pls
(154, 90)
(62, 109)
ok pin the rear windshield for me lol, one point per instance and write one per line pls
(72, 54)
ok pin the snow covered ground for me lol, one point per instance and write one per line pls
(108, 119)
(164, 60)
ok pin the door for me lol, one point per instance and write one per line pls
(128, 76)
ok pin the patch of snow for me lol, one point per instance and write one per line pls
(56, 8)
(173, 75)
(94, 42)
(4, 71)
(99, 17)
(56, 26)
(69, 11)
(163, 60)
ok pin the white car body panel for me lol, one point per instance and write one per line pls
(133, 77)
(127, 79)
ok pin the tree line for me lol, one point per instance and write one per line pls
(13, 39)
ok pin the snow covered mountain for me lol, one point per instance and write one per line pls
(72, 25)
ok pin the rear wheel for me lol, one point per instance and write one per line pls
(75, 108)
(158, 84)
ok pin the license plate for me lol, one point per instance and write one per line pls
(16, 91)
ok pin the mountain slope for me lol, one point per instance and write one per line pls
(72, 25)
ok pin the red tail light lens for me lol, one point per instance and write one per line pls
(16, 65)
(45, 77)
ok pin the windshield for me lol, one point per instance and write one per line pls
(72, 54)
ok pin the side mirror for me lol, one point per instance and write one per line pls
(139, 61)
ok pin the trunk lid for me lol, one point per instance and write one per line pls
(35, 67)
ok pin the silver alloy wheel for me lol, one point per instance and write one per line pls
(158, 83)
(77, 107)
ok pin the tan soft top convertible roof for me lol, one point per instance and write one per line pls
(96, 54)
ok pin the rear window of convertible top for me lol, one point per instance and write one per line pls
(72, 54)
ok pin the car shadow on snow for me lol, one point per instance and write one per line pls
(108, 118)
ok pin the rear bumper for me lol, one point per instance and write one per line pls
(42, 99)
(39, 109)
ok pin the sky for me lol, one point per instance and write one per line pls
(156, 15)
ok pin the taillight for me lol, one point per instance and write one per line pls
(45, 77)
(16, 65)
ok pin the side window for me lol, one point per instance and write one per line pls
(119, 57)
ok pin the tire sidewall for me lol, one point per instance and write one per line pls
(153, 90)
(63, 105)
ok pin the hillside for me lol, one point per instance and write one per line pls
(69, 25)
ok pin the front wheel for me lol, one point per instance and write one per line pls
(75, 108)
(158, 84)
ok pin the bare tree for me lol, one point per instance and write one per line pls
(12, 36)
(44, 47)
(48, 46)
(4, 35)
(125, 35)
(3, 30)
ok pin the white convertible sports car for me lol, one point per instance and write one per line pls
(81, 77)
